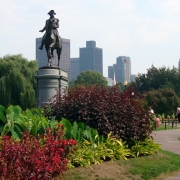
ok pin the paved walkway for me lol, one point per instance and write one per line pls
(169, 141)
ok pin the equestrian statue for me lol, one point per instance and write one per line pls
(51, 38)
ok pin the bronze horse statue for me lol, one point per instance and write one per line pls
(51, 38)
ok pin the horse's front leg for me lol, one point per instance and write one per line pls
(59, 54)
(49, 56)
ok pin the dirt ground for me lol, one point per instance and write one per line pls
(105, 171)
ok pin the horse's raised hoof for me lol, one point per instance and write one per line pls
(41, 48)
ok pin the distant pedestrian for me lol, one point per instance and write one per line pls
(178, 113)
(151, 111)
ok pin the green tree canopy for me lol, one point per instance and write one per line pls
(157, 78)
(17, 81)
(90, 77)
(71, 82)
(163, 101)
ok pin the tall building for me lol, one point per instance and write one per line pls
(91, 58)
(74, 68)
(122, 69)
(179, 64)
(111, 72)
(42, 59)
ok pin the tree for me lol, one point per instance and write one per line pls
(71, 82)
(90, 77)
(17, 81)
(157, 78)
(163, 101)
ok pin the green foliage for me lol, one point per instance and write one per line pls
(172, 116)
(152, 121)
(14, 121)
(111, 149)
(90, 77)
(87, 153)
(144, 148)
(79, 132)
(17, 81)
(163, 101)
(71, 82)
(159, 78)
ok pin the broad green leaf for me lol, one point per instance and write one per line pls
(13, 112)
(67, 125)
(81, 126)
(74, 130)
(2, 110)
(16, 132)
(34, 129)
(1, 128)
(3, 118)
(6, 129)
(22, 123)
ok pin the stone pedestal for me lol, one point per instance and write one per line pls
(50, 80)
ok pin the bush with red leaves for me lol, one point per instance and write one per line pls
(35, 158)
(105, 109)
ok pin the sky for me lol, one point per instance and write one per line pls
(147, 31)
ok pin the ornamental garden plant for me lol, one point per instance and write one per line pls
(35, 147)
(105, 109)
(35, 157)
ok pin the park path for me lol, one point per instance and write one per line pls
(169, 141)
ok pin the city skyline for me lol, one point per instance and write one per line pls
(146, 31)
(121, 71)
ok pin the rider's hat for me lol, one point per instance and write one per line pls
(51, 11)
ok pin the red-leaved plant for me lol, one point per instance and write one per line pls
(41, 157)
(105, 109)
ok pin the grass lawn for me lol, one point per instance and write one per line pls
(168, 127)
(152, 167)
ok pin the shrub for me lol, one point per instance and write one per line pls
(41, 157)
(111, 149)
(105, 109)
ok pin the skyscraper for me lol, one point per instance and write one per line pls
(122, 69)
(110, 72)
(91, 58)
(179, 64)
(42, 59)
(74, 68)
